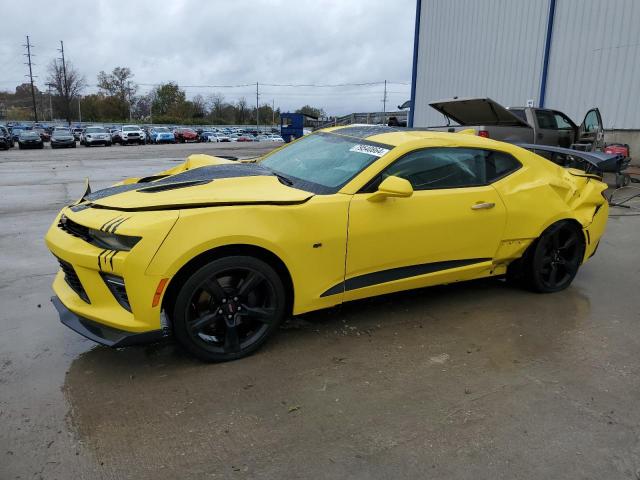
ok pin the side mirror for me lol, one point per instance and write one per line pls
(392, 187)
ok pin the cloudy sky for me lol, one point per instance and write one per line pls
(227, 42)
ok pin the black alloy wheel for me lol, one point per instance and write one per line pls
(227, 309)
(556, 258)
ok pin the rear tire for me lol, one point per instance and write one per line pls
(552, 262)
(229, 308)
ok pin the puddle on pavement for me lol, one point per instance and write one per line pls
(155, 403)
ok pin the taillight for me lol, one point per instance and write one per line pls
(483, 133)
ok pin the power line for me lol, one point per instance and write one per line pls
(295, 85)
(332, 85)
(33, 92)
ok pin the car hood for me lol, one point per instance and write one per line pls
(200, 182)
(62, 137)
(477, 111)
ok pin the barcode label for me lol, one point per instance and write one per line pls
(369, 150)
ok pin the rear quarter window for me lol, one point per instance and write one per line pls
(499, 165)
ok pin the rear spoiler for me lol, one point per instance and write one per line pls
(590, 162)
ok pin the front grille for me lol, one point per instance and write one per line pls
(75, 229)
(117, 288)
(71, 277)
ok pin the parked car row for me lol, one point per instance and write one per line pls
(34, 136)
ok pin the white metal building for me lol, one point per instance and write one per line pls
(569, 55)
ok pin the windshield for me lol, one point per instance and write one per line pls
(162, 130)
(324, 162)
(130, 129)
(29, 134)
(95, 130)
(62, 131)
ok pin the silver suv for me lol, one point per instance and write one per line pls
(95, 136)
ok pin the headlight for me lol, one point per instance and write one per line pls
(113, 241)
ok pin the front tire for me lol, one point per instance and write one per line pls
(553, 261)
(229, 308)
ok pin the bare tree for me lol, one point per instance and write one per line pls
(217, 106)
(67, 87)
(142, 107)
(199, 106)
(242, 110)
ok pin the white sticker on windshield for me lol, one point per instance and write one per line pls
(369, 150)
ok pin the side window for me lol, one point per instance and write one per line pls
(546, 119)
(499, 165)
(519, 112)
(436, 168)
(562, 121)
(591, 122)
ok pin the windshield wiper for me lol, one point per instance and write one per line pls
(283, 179)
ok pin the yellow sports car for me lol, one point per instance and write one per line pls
(219, 252)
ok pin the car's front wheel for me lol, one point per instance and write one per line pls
(228, 308)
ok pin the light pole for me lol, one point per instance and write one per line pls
(49, 85)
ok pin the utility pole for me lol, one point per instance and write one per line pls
(33, 92)
(384, 102)
(64, 83)
(257, 108)
(49, 85)
(129, 99)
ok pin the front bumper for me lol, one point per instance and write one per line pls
(62, 143)
(81, 282)
(97, 141)
(102, 334)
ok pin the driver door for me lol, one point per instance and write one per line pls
(591, 132)
(449, 229)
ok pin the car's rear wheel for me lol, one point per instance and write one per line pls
(227, 309)
(555, 258)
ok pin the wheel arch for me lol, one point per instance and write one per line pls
(261, 253)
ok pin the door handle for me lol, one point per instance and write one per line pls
(483, 206)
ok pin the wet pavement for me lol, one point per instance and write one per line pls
(471, 381)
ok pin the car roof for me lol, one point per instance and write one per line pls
(396, 136)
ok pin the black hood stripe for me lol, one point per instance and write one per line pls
(196, 176)
(186, 206)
